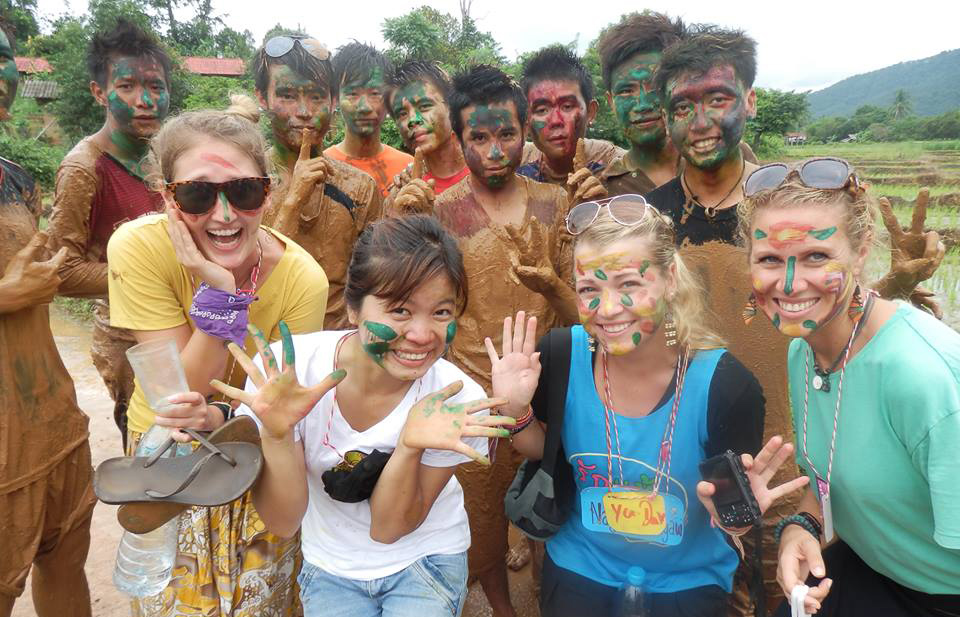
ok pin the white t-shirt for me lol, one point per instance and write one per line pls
(335, 536)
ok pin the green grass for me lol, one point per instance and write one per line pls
(76, 307)
(889, 151)
(909, 191)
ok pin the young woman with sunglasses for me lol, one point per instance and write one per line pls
(876, 404)
(658, 396)
(198, 274)
(362, 431)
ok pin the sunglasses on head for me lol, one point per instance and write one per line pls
(199, 196)
(280, 46)
(817, 173)
(625, 209)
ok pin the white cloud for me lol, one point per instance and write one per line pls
(801, 46)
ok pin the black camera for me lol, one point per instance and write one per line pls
(736, 506)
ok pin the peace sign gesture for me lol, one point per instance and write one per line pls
(436, 424)
(280, 400)
(914, 255)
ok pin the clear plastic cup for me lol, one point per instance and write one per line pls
(159, 372)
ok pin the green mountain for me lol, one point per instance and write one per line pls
(933, 85)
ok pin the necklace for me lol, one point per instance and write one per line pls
(709, 211)
(821, 378)
(665, 455)
(254, 274)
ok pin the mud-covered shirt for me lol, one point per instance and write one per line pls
(40, 422)
(328, 225)
(494, 290)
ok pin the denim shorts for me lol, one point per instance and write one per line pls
(432, 586)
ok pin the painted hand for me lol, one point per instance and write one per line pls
(914, 255)
(192, 259)
(515, 374)
(32, 281)
(280, 400)
(800, 556)
(759, 471)
(582, 186)
(438, 425)
(531, 259)
(308, 173)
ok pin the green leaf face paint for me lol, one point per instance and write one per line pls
(600, 274)
(636, 338)
(791, 268)
(759, 234)
(626, 300)
(380, 336)
(776, 320)
(451, 331)
(809, 324)
(823, 234)
(594, 304)
(379, 330)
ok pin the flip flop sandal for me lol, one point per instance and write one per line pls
(143, 513)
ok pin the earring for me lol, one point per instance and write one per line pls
(750, 310)
(855, 311)
(591, 343)
(670, 329)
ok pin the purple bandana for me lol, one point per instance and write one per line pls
(221, 314)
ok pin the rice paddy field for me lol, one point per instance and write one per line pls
(898, 171)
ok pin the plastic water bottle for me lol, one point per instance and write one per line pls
(145, 561)
(633, 602)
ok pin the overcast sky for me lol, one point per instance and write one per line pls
(802, 45)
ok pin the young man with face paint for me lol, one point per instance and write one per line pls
(874, 389)
(46, 491)
(361, 72)
(417, 101)
(320, 203)
(559, 94)
(100, 184)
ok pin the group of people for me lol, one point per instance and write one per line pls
(398, 323)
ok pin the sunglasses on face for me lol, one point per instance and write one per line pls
(818, 173)
(199, 196)
(280, 46)
(625, 209)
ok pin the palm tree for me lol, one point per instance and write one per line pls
(901, 107)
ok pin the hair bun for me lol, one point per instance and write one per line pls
(244, 106)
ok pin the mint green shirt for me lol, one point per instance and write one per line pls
(895, 486)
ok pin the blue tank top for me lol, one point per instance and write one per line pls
(690, 553)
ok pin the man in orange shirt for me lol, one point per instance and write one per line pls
(361, 71)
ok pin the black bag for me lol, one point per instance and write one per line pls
(541, 496)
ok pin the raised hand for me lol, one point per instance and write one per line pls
(191, 258)
(436, 424)
(307, 174)
(30, 280)
(582, 185)
(280, 400)
(759, 471)
(516, 373)
(416, 195)
(914, 255)
(530, 259)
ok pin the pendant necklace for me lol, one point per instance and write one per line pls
(821, 377)
(710, 211)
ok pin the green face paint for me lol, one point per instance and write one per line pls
(379, 330)
(451, 331)
(759, 234)
(361, 104)
(594, 304)
(626, 300)
(644, 266)
(380, 337)
(636, 103)
(600, 274)
(226, 207)
(823, 234)
(776, 320)
(788, 283)
(490, 118)
(377, 350)
(636, 338)
(289, 355)
(809, 324)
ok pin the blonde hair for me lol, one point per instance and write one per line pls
(860, 209)
(237, 125)
(687, 306)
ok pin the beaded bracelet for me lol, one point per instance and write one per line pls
(795, 519)
(522, 422)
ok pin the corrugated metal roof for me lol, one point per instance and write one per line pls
(39, 89)
(228, 67)
(33, 65)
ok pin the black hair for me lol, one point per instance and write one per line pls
(299, 59)
(481, 85)
(125, 39)
(556, 62)
(394, 256)
(418, 70)
(636, 33)
(705, 48)
(356, 61)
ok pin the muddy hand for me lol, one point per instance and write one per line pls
(437, 424)
(915, 255)
(580, 156)
(530, 259)
(582, 186)
(417, 197)
(419, 166)
(308, 172)
(279, 401)
(30, 278)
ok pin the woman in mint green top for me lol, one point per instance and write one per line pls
(875, 393)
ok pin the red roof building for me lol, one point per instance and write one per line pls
(33, 65)
(224, 67)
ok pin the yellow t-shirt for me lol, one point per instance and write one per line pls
(151, 290)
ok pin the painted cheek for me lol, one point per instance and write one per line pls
(451, 332)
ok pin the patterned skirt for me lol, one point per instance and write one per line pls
(228, 565)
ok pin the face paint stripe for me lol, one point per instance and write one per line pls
(759, 234)
(451, 331)
(823, 234)
(788, 283)
(594, 304)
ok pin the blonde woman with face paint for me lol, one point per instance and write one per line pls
(362, 454)
(650, 394)
(197, 274)
(876, 404)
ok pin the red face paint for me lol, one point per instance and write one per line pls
(557, 117)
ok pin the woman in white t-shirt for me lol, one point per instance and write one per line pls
(361, 436)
